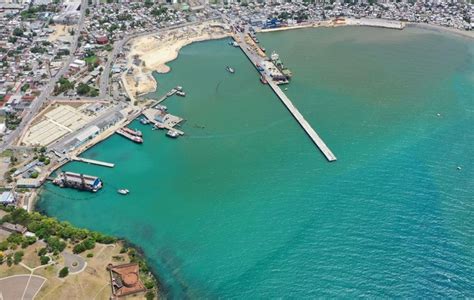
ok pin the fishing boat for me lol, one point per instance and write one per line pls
(231, 70)
(123, 191)
(172, 134)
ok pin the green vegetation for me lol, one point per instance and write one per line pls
(83, 89)
(64, 272)
(12, 121)
(18, 31)
(63, 85)
(25, 87)
(55, 233)
(17, 257)
(44, 260)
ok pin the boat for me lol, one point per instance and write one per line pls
(263, 80)
(159, 126)
(259, 68)
(263, 49)
(181, 93)
(235, 44)
(232, 71)
(172, 133)
(123, 191)
(144, 121)
(161, 107)
(78, 181)
(133, 138)
(132, 132)
(179, 88)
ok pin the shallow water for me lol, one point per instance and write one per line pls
(244, 204)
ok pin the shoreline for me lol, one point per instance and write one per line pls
(380, 23)
(152, 52)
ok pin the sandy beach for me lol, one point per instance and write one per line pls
(152, 52)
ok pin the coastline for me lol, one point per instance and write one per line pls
(378, 23)
(152, 52)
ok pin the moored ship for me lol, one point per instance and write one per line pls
(275, 58)
(133, 132)
(78, 181)
(129, 136)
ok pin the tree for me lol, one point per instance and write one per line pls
(44, 260)
(17, 257)
(18, 31)
(83, 89)
(64, 272)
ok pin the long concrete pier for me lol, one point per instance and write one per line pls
(255, 59)
(93, 162)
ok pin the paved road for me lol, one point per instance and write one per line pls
(48, 89)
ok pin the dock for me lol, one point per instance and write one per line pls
(317, 140)
(169, 123)
(94, 162)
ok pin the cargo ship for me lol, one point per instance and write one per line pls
(129, 136)
(275, 58)
(78, 181)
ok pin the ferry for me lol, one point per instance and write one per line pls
(132, 132)
(232, 71)
(123, 191)
(263, 80)
(172, 134)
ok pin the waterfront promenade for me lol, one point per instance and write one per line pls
(317, 140)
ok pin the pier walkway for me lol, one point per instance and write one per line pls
(93, 162)
(255, 59)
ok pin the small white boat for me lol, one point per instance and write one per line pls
(123, 191)
(230, 69)
(172, 134)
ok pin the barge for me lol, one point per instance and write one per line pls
(78, 181)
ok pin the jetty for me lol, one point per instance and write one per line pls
(168, 121)
(258, 60)
(93, 162)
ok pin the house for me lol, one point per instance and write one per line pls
(14, 228)
(7, 198)
(101, 39)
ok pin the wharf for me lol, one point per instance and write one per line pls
(169, 123)
(93, 162)
(317, 140)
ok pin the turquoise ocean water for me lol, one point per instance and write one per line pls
(245, 206)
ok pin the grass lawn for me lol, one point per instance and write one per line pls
(91, 60)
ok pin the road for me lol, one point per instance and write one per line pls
(104, 79)
(48, 89)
